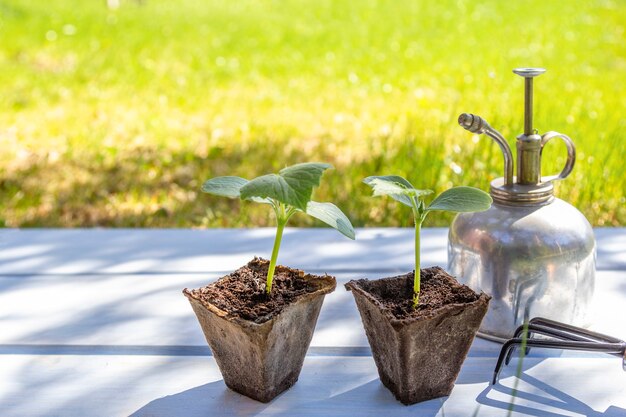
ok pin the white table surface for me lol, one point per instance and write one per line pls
(93, 323)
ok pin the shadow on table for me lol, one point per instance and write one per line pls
(527, 403)
(214, 399)
(371, 399)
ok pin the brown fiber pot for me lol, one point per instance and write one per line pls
(417, 359)
(262, 360)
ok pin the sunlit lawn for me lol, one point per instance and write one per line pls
(115, 117)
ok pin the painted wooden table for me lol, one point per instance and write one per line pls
(93, 323)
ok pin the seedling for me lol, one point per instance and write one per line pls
(457, 200)
(288, 192)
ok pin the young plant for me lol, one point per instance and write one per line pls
(288, 192)
(457, 200)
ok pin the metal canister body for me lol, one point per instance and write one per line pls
(535, 261)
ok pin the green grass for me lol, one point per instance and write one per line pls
(116, 117)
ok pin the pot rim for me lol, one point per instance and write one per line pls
(326, 284)
(356, 286)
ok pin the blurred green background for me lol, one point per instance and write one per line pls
(114, 114)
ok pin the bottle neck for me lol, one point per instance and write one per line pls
(528, 159)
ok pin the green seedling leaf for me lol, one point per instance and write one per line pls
(458, 199)
(292, 185)
(332, 216)
(288, 192)
(395, 187)
(224, 186)
(229, 187)
(390, 180)
(461, 200)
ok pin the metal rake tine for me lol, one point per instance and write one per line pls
(548, 329)
(584, 333)
(536, 327)
(617, 349)
(518, 333)
(506, 347)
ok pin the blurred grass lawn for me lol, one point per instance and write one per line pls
(115, 117)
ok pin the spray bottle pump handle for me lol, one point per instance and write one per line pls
(571, 155)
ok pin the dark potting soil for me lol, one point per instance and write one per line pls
(242, 293)
(437, 289)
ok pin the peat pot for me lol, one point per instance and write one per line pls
(261, 356)
(419, 355)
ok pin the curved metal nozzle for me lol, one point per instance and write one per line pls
(474, 124)
(478, 125)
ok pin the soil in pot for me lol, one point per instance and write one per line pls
(259, 341)
(419, 352)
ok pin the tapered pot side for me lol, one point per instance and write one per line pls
(417, 358)
(261, 360)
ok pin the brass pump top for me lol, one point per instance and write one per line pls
(528, 188)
